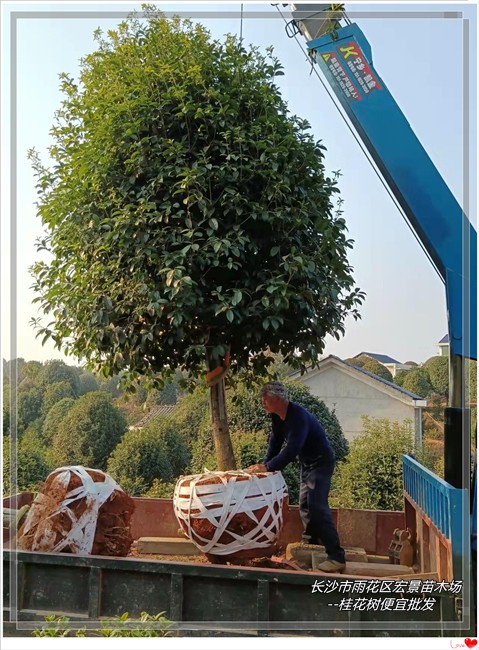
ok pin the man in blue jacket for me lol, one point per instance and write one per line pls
(305, 438)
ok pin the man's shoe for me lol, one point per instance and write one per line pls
(332, 566)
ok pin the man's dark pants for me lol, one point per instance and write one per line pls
(314, 509)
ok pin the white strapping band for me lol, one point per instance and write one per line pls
(81, 535)
(218, 503)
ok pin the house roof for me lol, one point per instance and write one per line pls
(444, 340)
(382, 358)
(385, 382)
(162, 410)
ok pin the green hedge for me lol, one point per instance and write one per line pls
(371, 477)
(157, 452)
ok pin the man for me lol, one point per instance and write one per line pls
(306, 438)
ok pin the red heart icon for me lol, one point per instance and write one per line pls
(470, 642)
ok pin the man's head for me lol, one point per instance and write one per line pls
(274, 397)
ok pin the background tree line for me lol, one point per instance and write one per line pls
(66, 415)
(430, 379)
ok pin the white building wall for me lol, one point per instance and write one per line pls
(351, 398)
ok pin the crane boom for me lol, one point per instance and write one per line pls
(345, 58)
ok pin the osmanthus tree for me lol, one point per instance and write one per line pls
(188, 214)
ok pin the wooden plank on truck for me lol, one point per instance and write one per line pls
(166, 546)
(377, 570)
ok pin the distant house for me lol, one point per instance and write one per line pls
(353, 392)
(162, 410)
(444, 346)
(393, 365)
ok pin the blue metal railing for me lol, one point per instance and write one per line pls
(444, 505)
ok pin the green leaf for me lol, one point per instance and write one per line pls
(237, 296)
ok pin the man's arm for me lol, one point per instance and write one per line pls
(275, 443)
(296, 440)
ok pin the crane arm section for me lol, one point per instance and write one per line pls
(432, 210)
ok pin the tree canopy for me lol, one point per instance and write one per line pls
(56, 371)
(29, 407)
(417, 381)
(55, 393)
(437, 369)
(54, 417)
(371, 365)
(88, 382)
(89, 431)
(186, 209)
(158, 451)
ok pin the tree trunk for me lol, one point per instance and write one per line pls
(223, 447)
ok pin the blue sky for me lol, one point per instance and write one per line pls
(420, 60)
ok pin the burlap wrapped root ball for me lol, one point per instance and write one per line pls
(232, 515)
(79, 510)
